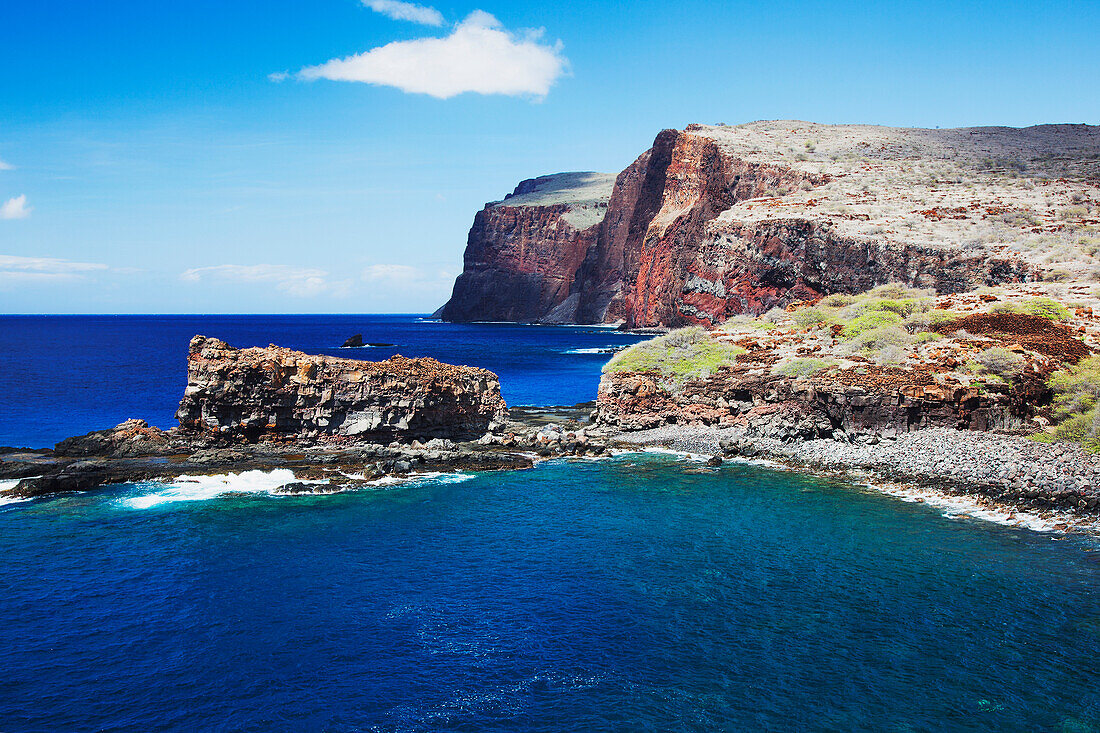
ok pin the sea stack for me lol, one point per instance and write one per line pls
(280, 392)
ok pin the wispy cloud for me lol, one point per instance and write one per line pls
(15, 208)
(478, 56)
(296, 281)
(380, 273)
(43, 269)
(5, 166)
(406, 11)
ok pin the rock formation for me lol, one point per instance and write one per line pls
(523, 253)
(714, 221)
(802, 379)
(277, 391)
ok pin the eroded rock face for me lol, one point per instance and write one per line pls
(788, 409)
(277, 391)
(523, 253)
(711, 222)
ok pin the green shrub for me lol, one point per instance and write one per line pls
(1077, 394)
(879, 338)
(892, 290)
(810, 317)
(1047, 308)
(903, 307)
(801, 367)
(869, 321)
(680, 355)
(925, 337)
(1001, 361)
(1010, 306)
(927, 320)
(837, 300)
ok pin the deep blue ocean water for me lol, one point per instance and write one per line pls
(66, 375)
(641, 593)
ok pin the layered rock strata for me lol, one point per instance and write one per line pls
(715, 221)
(523, 253)
(277, 391)
(803, 382)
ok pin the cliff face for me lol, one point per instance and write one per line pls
(781, 407)
(715, 221)
(523, 253)
(807, 373)
(252, 392)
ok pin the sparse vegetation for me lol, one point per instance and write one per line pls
(680, 355)
(1077, 394)
(801, 367)
(1000, 361)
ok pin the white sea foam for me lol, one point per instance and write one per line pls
(681, 453)
(201, 488)
(7, 485)
(953, 507)
(594, 350)
(422, 479)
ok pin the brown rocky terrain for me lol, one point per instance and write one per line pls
(975, 361)
(715, 221)
(251, 392)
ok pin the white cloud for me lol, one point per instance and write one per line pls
(5, 166)
(406, 11)
(296, 281)
(382, 273)
(479, 56)
(43, 269)
(15, 208)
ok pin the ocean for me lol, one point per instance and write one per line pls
(644, 592)
(67, 375)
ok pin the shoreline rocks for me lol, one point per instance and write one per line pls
(247, 393)
(1003, 471)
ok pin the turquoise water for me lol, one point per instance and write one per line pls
(640, 593)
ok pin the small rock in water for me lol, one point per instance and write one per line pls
(715, 461)
(354, 341)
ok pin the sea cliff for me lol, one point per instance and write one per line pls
(716, 221)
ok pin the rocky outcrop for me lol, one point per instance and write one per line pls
(523, 253)
(983, 366)
(131, 438)
(711, 222)
(776, 406)
(276, 391)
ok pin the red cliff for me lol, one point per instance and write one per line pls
(715, 221)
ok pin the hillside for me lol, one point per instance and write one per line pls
(715, 221)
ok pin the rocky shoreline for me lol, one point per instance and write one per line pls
(1010, 474)
(1047, 486)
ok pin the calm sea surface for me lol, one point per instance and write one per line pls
(640, 593)
(66, 375)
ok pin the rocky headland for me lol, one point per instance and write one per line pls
(989, 394)
(714, 221)
(335, 423)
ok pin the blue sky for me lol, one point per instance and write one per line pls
(215, 156)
